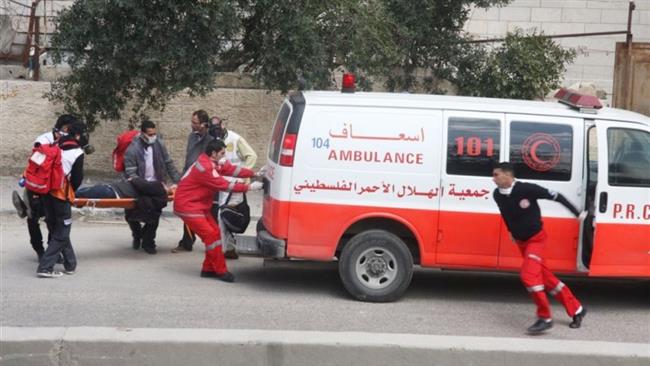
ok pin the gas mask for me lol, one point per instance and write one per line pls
(84, 142)
(217, 131)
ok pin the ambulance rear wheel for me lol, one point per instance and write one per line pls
(376, 266)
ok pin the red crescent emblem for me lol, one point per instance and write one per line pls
(530, 155)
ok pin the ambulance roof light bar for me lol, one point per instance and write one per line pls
(583, 103)
(348, 83)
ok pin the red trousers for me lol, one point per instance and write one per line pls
(208, 230)
(538, 279)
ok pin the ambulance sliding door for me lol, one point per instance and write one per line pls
(468, 234)
(621, 245)
(548, 151)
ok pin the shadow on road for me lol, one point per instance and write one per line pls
(315, 278)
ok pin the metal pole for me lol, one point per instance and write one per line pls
(627, 86)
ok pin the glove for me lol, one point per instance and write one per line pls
(255, 186)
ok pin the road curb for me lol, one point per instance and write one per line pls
(109, 346)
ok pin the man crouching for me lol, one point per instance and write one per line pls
(193, 202)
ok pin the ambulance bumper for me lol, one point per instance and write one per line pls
(270, 246)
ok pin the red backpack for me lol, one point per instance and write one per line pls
(123, 141)
(44, 171)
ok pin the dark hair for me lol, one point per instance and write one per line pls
(202, 116)
(214, 145)
(77, 128)
(146, 124)
(64, 120)
(506, 167)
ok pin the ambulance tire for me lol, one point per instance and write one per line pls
(376, 266)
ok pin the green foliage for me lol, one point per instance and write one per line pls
(286, 41)
(138, 52)
(394, 40)
(430, 40)
(523, 67)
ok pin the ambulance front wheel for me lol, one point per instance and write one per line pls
(376, 266)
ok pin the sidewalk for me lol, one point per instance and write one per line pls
(161, 347)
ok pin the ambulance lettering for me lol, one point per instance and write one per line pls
(376, 157)
(629, 211)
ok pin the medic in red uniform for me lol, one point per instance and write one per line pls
(517, 203)
(193, 202)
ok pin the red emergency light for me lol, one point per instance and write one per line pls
(348, 83)
(584, 103)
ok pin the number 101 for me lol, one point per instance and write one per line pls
(474, 146)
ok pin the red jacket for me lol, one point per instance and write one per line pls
(195, 191)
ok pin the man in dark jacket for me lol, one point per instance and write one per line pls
(147, 158)
(518, 205)
(197, 140)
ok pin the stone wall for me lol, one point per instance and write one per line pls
(595, 60)
(24, 115)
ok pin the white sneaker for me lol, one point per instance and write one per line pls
(53, 274)
(70, 272)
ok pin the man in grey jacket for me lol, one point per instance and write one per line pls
(196, 142)
(147, 158)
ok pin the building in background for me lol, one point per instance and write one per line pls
(596, 59)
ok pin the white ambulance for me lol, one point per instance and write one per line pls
(382, 182)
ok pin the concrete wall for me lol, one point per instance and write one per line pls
(595, 60)
(24, 115)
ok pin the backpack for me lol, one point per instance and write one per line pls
(44, 171)
(236, 218)
(123, 141)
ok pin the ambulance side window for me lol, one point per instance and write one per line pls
(472, 146)
(542, 151)
(628, 157)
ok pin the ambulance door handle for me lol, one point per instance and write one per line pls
(602, 207)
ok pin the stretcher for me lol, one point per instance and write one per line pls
(108, 202)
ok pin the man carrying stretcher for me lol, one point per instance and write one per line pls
(193, 203)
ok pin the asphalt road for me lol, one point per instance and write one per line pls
(116, 286)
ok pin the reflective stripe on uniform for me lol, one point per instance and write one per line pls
(183, 214)
(199, 167)
(237, 170)
(534, 257)
(40, 186)
(536, 288)
(231, 186)
(556, 290)
(213, 245)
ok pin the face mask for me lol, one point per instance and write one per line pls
(150, 139)
(222, 161)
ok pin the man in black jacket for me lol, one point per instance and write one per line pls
(517, 203)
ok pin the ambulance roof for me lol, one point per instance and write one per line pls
(447, 102)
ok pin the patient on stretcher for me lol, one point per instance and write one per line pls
(136, 192)
(132, 188)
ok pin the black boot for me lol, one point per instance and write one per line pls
(540, 326)
(19, 204)
(577, 319)
(225, 277)
(135, 244)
